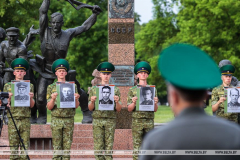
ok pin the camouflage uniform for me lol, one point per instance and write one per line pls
(62, 125)
(104, 124)
(218, 92)
(21, 116)
(142, 121)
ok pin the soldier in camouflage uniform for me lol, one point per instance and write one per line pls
(62, 122)
(218, 94)
(142, 121)
(104, 122)
(21, 115)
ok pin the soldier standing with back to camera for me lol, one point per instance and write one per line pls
(104, 122)
(218, 94)
(62, 122)
(142, 121)
(21, 115)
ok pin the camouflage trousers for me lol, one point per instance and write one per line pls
(103, 136)
(23, 126)
(62, 135)
(139, 128)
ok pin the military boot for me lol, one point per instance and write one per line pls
(87, 117)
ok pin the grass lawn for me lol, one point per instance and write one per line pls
(163, 115)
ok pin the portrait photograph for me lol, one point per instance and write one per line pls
(106, 98)
(21, 93)
(66, 92)
(233, 101)
(146, 101)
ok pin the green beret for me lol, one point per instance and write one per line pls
(142, 67)
(12, 31)
(21, 85)
(60, 64)
(20, 63)
(105, 67)
(227, 69)
(188, 67)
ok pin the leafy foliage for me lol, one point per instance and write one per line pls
(85, 51)
(151, 38)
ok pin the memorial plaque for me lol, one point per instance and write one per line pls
(121, 8)
(123, 76)
(120, 33)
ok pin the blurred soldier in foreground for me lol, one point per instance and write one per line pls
(192, 128)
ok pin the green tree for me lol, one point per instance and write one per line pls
(212, 25)
(85, 51)
(151, 38)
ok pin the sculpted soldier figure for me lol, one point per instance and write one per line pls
(10, 50)
(2, 34)
(54, 45)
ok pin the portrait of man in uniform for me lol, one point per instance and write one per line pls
(234, 95)
(66, 93)
(106, 92)
(147, 96)
(22, 92)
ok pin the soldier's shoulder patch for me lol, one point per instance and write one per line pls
(219, 86)
(133, 87)
(52, 84)
(8, 83)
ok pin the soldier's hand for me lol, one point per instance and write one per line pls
(93, 99)
(54, 96)
(10, 95)
(222, 99)
(155, 100)
(31, 95)
(77, 96)
(33, 31)
(96, 9)
(8, 105)
(134, 99)
(116, 99)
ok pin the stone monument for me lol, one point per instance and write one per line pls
(121, 52)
